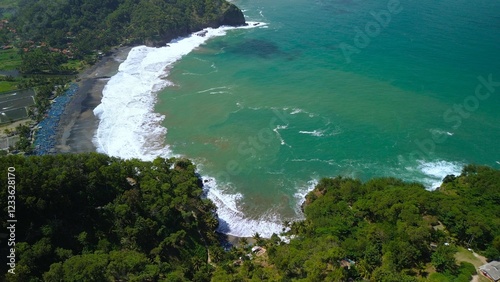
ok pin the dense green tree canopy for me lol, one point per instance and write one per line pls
(90, 217)
(98, 24)
(384, 230)
(94, 218)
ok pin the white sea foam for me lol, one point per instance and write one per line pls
(435, 171)
(300, 195)
(213, 88)
(276, 129)
(437, 131)
(129, 128)
(300, 111)
(323, 132)
(232, 221)
(317, 133)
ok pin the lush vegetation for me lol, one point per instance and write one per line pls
(49, 32)
(6, 85)
(54, 39)
(384, 230)
(7, 3)
(90, 217)
(10, 59)
(83, 26)
(94, 218)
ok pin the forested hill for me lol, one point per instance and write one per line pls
(96, 24)
(90, 217)
(384, 230)
(391, 231)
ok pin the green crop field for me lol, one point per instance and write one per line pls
(9, 59)
(76, 64)
(7, 86)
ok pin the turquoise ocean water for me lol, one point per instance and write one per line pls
(323, 89)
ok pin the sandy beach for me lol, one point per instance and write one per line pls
(78, 122)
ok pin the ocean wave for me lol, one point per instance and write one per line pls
(301, 193)
(299, 111)
(129, 128)
(438, 131)
(317, 133)
(429, 173)
(212, 90)
(276, 130)
(232, 221)
(322, 132)
(435, 172)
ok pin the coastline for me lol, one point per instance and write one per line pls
(120, 102)
(78, 123)
(129, 127)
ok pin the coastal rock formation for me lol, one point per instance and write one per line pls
(225, 14)
(233, 16)
(99, 25)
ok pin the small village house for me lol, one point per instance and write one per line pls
(491, 270)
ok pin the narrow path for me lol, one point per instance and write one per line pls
(480, 257)
(475, 278)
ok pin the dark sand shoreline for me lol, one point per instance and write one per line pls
(78, 123)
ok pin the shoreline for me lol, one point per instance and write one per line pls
(78, 123)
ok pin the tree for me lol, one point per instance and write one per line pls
(443, 259)
(258, 240)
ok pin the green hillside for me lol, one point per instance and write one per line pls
(384, 230)
(90, 217)
(95, 218)
(89, 25)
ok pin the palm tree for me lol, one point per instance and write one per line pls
(258, 239)
(243, 242)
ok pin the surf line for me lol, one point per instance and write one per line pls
(455, 114)
(128, 126)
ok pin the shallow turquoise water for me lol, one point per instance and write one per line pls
(267, 110)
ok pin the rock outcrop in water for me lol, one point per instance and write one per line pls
(233, 16)
(227, 14)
